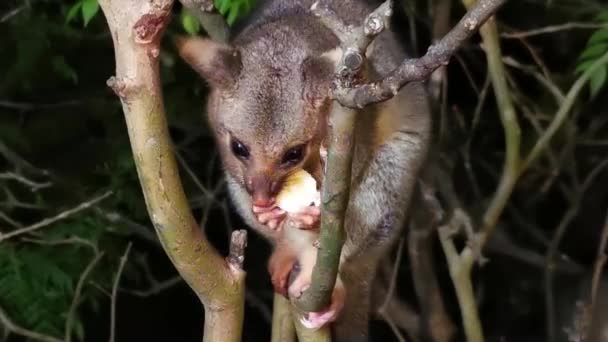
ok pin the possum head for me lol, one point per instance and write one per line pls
(267, 108)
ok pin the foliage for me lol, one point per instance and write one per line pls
(87, 8)
(56, 113)
(38, 279)
(597, 45)
(234, 9)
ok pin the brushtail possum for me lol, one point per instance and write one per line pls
(268, 109)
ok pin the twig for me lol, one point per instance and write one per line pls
(562, 113)
(552, 251)
(423, 225)
(6, 17)
(18, 161)
(419, 69)
(600, 261)
(121, 266)
(382, 310)
(76, 299)
(156, 288)
(34, 186)
(552, 29)
(12, 327)
(550, 86)
(460, 269)
(59, 217)
(69, 240)
(508, 118)
(10, 220)
(192, 175)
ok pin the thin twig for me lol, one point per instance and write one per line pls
(69, 241)
(156, 288)
(58, 217)
(6, 17)
(34, 186)
(553, 249)
(76, 299)
(192, 175)
(419, 69)
(562, 113)
(600, 261)
(550, 86)
(382, 310)
(121, 266)
(552, 29)
(12, 327)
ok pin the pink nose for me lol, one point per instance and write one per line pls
(261, 201)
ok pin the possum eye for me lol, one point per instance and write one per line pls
(239, 149)
(293, 156)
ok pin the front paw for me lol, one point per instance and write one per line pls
(271, 217)
(307, 218)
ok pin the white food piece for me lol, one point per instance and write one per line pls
(299, 191)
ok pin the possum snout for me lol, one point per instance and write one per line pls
(262, 189)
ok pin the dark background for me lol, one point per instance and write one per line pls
(61, 127)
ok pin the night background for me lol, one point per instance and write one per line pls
(64, 149)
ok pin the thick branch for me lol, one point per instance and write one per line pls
(136, 29)
(419, 69)
(335, 194)
(283, 329)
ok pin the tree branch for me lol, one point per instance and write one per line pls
(283, 329)
(136, 29)
(121, 266)
(336, 184)
(58, 217)
(419, 69)
(12, 327)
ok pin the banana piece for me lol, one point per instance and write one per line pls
(299, 191)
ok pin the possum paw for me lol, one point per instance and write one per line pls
(316, 320)
(280, 267)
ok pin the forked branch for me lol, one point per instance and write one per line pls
(418, 69)
(136, 29)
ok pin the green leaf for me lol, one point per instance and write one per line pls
(598, 80)
(72, 12)
(582, 67)
(189, 22)
(89, 9)
(594, 51)
(598, 37)
(602, 16)
(233, 15)
(222, 6)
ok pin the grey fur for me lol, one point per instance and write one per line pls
(277, 101)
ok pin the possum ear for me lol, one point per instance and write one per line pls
(218, 63)
(317, 75)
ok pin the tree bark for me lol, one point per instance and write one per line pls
(137, 28)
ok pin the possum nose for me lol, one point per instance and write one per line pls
(261, 189)
(261, 201)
